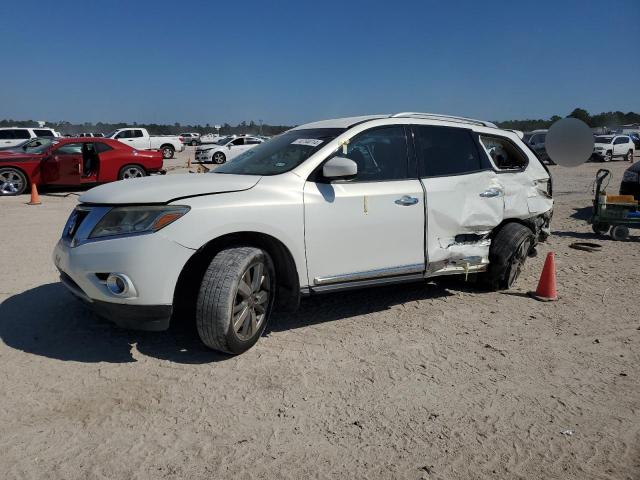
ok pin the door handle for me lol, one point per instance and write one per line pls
(406, 200)
(491, 192)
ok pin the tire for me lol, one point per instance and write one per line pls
(508, 253)
(620, 232)
(218, 158)
(131, 171)
(607, 156)
(223, 322)
(194, 143)
(629, 156)
(600, 228)
(12, 182)
(167, 151)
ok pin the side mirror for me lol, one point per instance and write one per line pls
(229, 146)
(340, 167)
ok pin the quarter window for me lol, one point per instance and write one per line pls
(43, 133)
(381, 154)
(21, 134)
(445, 151)
(503, 153)
(101, 147)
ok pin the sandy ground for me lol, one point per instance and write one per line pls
(433, 380)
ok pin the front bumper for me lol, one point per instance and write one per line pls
(202, 156)
(152, 262)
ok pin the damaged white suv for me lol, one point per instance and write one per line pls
(331, 205)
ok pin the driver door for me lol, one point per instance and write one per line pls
(64, 165)
(235, 148)
(371, 227)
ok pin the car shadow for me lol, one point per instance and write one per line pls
(48, 321)
(583, 213)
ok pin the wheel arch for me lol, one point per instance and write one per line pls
(132, 164)
(31, 179)
(164, 145)
(530, 223)
(287, 280)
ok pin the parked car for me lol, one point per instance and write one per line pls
(635, 138)
(210, 138)
(27, 145)
(610, 147)
(327, 206)
(72, 162)
(537, 141)
(227, 148)
(140, 139)
(630, 184)
(191, 138)
(12, 136)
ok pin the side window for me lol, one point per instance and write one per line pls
(5, 134)
(70, 149)
(620, 140)
(503, 153)
(251, 141)
(21, 134)
(124, 134)
(381, 154)
(238, 141)
(445, 151)
(101, 147)
(43, 133)
(136, 133)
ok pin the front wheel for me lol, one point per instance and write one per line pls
(219, 158)
(235, 299)
(607, 156)
(620, 232)
(131, 171)
(167, 152)
(193, 143)
(509, 251)
(600, 228)
(12, 182)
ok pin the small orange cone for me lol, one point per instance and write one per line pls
(35, 198)
(546, 291)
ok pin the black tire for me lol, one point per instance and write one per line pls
(193, 143)
(167, 151)
(600, 228)
(218, 158)
(131, 171)
(629, 156)
(12, 182)
(508, 253)
(221, 295)
(620, 232)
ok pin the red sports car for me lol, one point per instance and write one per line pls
(72, 162)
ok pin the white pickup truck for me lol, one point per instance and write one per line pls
(140, 139)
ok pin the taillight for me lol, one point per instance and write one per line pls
(181, 139)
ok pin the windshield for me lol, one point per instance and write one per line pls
(281, 153)
(223, 140)
(604, 139)
(110, 134)
(37, 145)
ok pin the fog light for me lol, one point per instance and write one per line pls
(120, 285)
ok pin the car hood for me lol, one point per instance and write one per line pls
(601, 145)
(167, 188)
(12, 156)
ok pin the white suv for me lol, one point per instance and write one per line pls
(327, 206)
(12, 136)
(608, 147)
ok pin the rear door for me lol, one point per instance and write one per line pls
(64, 165)
(465, 199)
(370, 227)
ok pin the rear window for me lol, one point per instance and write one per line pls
(21, 134)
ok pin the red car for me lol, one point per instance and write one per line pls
(72, 162)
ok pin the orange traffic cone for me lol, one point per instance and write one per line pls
(35, 198)
(546, 291)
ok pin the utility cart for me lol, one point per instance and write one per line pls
(615, 214)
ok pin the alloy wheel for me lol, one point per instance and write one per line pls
(132, 172)
(251, 301)
(10, 182)
(218, 158)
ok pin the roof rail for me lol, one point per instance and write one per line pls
(446, 118)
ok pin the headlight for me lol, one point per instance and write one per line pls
(132, 220)
(630, 176)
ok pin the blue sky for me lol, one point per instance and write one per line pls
(291, 62)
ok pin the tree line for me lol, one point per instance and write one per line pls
(604, 119)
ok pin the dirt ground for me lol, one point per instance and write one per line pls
(433, 380)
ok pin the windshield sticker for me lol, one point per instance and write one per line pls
(309, 142)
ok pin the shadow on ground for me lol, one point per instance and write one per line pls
(48, 321)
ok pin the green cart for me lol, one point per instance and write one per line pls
(615, 214)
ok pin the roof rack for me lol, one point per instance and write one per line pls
(446, 118)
